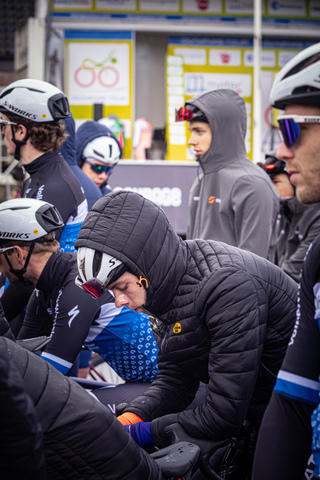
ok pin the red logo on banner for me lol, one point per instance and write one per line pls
(203, 4)
(225, 57)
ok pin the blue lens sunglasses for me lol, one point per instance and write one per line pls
(289, 127)
(99, 168)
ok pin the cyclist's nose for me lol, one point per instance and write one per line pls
(191, 140)
(120, 301)
(284, 153)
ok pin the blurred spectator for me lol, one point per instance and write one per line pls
(117, 128)
(142, 138)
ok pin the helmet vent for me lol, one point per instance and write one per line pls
(98, 153)
(305, 89)
(96, 263)
(302, 65)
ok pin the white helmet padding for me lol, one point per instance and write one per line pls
(94, 265)
(35, 100)
(298, 81)
(28, 219)
(105, 149)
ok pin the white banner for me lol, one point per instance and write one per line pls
(98, 73)
(200, 82)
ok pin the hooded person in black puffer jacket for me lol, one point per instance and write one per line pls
(224, 317)
(21, 439)
(51, 428)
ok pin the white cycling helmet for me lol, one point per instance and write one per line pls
(105, 149)
(97, 270)
(27, 219)
(35, 100)
(299, 80)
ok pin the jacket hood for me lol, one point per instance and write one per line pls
(68, 149)
(137, 232)
(87, 132)
(227, 117)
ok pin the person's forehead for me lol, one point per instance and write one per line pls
(195, 125)
(296, 109)
(126, 276)
(97, 162)
(280, 176)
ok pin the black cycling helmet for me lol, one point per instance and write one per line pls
(190, 113)
(273, 166)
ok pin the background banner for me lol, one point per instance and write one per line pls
(99, 72)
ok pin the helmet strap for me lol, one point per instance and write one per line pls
(20, 272)
(18, 144)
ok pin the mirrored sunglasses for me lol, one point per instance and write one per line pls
(93, 286)
(99, 168)
(289, 127)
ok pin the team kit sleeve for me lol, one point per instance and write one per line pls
(253, 204)
(292, 266)
(37, 320)
(73, 314)
(284, 442)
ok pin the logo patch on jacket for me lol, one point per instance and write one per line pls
(177, 328)
(213, 199)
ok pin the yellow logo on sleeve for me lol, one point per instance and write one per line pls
(177, 328)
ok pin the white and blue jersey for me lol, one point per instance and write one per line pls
(72, 318)
(125, 341)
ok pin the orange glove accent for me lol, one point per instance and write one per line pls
(129, 418)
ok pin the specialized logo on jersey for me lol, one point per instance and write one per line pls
(213, 199)
(72, 314)
(177, 328)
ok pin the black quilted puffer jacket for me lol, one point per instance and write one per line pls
(224, 317)
(81, 437)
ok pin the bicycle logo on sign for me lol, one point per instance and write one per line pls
(90, 71)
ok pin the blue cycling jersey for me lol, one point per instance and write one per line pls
(72, 318)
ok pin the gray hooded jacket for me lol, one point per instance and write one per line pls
(224, 317)
(232, 200)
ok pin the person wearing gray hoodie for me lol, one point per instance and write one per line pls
(231, 200)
